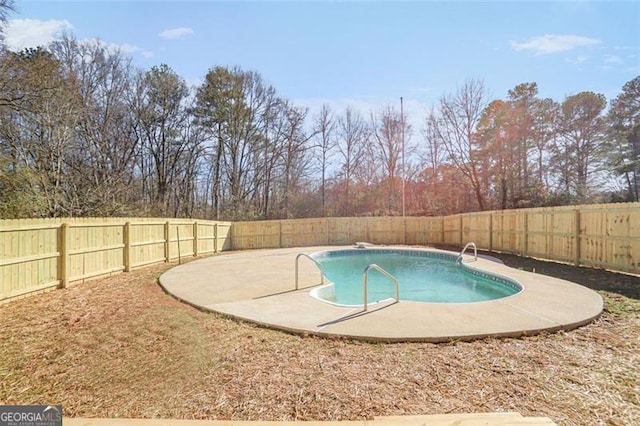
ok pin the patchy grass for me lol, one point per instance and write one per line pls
(120, 347)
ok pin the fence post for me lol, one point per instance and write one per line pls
(404, 230)
(215, 237)
(126, 237)
(326, 221)
(491, 231)
(549, 230)
(195, 239)
(178, 238)
(577, 238)
(64, 255)
(525, 233)
(461, 232)
(232, 236)
(166, 242)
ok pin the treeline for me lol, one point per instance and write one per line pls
(84, 133)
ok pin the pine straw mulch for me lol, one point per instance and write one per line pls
(120, 347)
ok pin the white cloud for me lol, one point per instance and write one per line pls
(613, 59)
(175, 33)
(550, 43)
(580, 59)
(24, 33)
(126, 48)
(611, 62)
(131, 49)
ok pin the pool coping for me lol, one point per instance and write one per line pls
(259, 286)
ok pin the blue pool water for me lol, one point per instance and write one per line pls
(423, 276)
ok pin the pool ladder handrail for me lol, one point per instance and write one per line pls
(383, 272)
(314, 261)
(475, 252)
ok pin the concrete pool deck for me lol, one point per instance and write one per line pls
(259, 286)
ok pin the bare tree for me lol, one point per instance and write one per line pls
(184, 190)
(295, 157)
(6, 7)
(353, 134)
(389, 132)
(324, 126)
(455, 127)
(164, 123)
(36, 137)
(105, 147)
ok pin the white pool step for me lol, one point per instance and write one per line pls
(479, 419)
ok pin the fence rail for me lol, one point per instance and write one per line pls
(38, 254)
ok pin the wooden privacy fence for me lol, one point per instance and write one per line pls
(40, 254)
(604, 236)
(314, 232)
(336, 231)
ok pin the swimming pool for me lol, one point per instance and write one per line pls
(259, 286)
(422, 275)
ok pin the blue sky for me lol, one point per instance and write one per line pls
(366, 54)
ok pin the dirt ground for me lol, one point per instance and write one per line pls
(120, 347)
(595, 279)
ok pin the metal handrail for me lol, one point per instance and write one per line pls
(385, 273)
(475, 252)
(314, 261)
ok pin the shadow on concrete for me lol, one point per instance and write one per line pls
(355, 315)
(286, 291)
